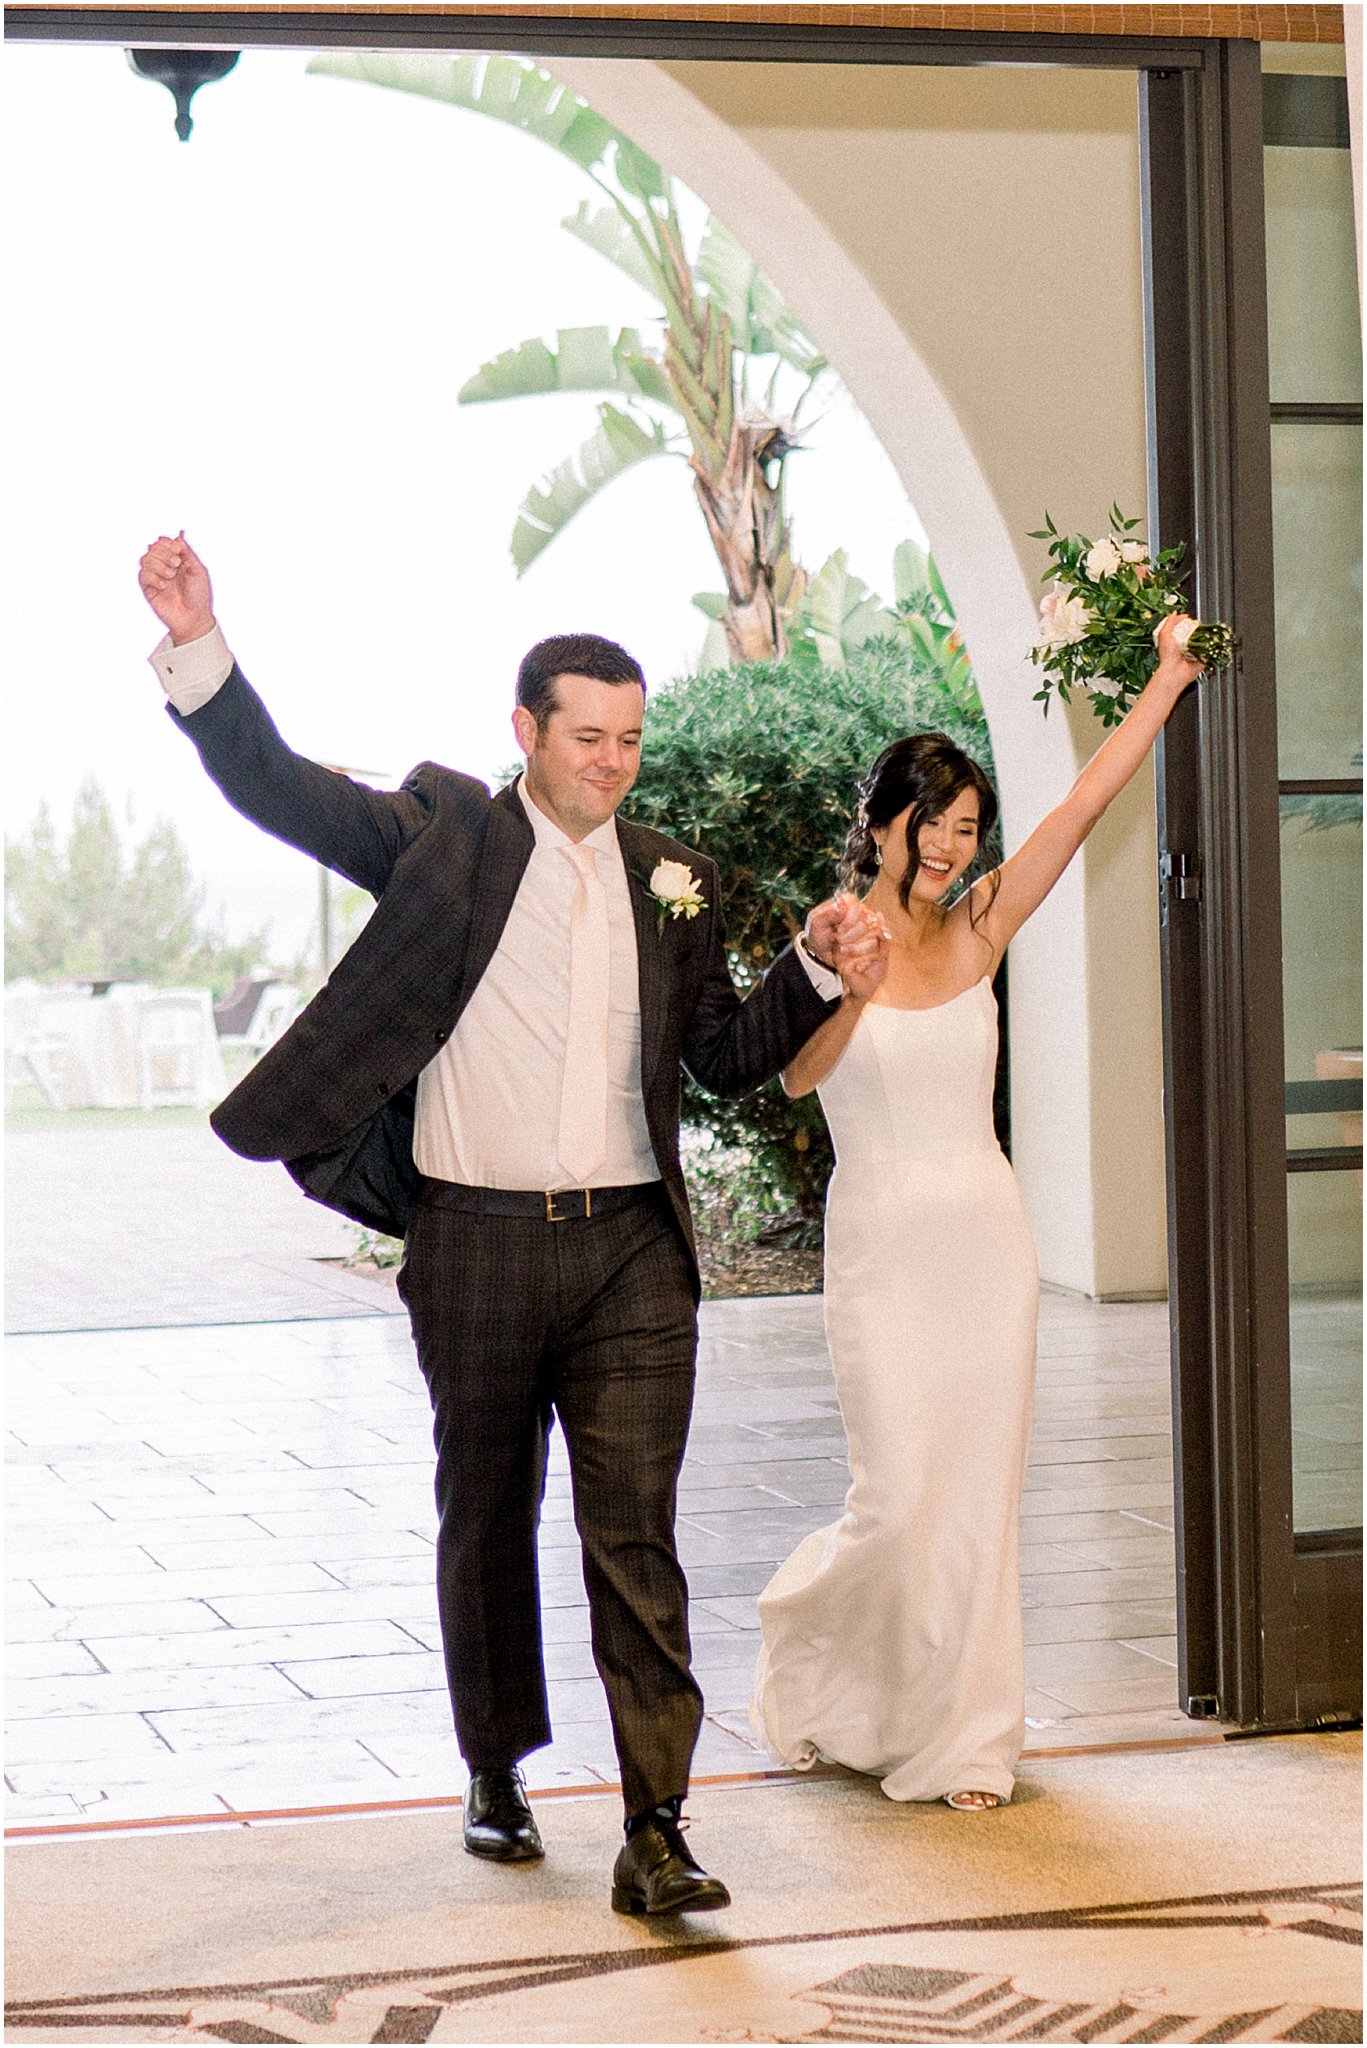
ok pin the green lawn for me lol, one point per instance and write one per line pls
(28, 1112)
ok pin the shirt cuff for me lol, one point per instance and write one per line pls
(824, 980)
(193, 673)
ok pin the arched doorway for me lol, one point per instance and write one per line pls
(1084, 1021)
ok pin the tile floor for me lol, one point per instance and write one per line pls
(148, 1220)
(221, 1555)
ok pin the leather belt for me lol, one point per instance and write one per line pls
(550, 1205)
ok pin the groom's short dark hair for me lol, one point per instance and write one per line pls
(571, 654)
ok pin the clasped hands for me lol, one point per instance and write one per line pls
(845, 935)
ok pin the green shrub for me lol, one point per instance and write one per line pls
(758, 766)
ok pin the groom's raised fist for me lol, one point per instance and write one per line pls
(176, 585)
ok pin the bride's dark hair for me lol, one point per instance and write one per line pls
(922, 775)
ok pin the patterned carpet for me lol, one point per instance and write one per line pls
(1203, 1895)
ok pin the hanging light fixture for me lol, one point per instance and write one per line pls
(183, 72)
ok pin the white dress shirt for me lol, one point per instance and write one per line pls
(192, 674)
(489, 1103)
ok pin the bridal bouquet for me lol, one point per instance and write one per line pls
(1099, 623)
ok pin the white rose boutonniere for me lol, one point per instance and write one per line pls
(675, 889)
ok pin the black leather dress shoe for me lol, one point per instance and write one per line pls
(654, 1873)
(498, 1820)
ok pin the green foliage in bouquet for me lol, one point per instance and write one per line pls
(1097, 623)
(758, 766)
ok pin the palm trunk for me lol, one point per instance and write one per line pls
(744, 515)
(733, 452)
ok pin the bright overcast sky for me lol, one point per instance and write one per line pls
(259, 335)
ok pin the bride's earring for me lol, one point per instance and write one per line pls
(877, 854)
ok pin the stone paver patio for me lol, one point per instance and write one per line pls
(221, 1527)
(126, 1222)
(221, 1556)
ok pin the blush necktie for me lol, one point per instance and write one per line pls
(582, 1135)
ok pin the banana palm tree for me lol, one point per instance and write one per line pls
(721, 320)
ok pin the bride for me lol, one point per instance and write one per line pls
(892, 1640)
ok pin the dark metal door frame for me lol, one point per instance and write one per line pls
(298, 28)
(1200, 126)
(1255, 1605)
(1221, 930)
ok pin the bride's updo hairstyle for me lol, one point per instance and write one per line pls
(922, 775)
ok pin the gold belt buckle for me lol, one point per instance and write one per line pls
(551, 1216)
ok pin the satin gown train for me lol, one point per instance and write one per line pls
(892, 1639)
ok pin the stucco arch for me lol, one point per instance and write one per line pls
(1070, 1145)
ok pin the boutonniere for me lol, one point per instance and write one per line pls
(675, 889)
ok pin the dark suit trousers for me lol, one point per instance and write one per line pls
(590, 1321)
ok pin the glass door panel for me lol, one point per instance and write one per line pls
(1311, 263)
(1321, 840)
(1317, 543)
(1322, 1010)
(1325, 1215)
(1316, 427)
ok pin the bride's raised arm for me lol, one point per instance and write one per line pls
(1026, 878)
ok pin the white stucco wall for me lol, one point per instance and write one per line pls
(965, 246)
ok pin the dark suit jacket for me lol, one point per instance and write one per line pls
(334, 1097)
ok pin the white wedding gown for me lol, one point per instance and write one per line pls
(892, 1639)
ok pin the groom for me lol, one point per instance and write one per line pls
(492, 1071)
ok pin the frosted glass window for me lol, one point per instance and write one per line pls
(1312, 303)
(1317, 553)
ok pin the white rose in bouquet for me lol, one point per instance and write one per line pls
(1107, 597)
(1103, 559)
(1062, 621)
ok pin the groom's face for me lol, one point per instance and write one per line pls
(584, 756)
